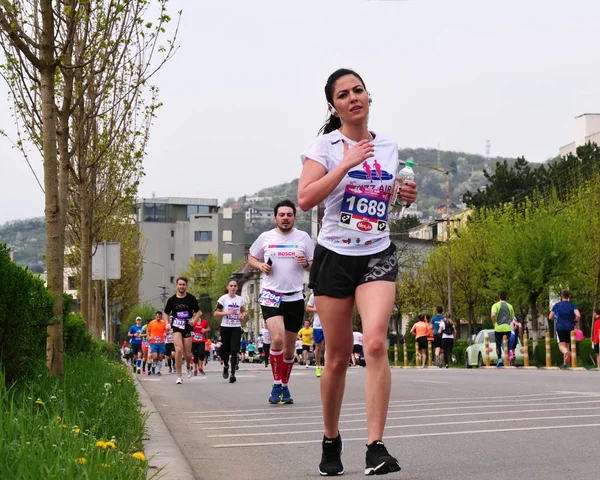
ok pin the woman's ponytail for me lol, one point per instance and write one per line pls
(332, 124)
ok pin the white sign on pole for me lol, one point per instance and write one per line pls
(113, 261)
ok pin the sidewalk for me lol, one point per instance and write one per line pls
(165, 459)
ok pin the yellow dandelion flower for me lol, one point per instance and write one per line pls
(80, 460)
(40, 375)
(101, 444)
(105, 465)
(62, 425)
(39, 402)
(118, 380)
(76, 431)
(110, 445)
(58, 417)
(139, 456)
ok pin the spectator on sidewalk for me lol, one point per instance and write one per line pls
(567, 316)
(502, 315)
(596, 336)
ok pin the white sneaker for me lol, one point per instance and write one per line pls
(307, 365)
(189, 374)
(179, 380)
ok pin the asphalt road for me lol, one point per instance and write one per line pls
(442, 424)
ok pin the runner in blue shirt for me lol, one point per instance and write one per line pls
(135, 332)
(567, 315)
(437, 334)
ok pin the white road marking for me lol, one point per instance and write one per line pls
(420, 401)
(436, 434)
(438, 424)
(362, 414)
(393, 403)
(429, 381)
(411, 417)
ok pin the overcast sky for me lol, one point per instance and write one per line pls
(244, 94)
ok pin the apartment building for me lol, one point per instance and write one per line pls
(174, 230)
(586, 129)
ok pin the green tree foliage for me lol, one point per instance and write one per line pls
(144, 310)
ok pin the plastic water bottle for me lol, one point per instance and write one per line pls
(397, 205)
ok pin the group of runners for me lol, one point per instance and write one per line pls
(352, 171)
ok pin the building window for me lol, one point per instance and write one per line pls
(227, 213)
(201, 256)
(227, 258)
(71, 283)
(227, 235)
(203, 236)
(155, 212)
(172, 233)
(172, 256)
(172, 279)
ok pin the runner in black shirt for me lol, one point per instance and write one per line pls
(184, 309)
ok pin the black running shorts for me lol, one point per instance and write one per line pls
(564, 336)
(186, 333)
(136, 348)
(292, 313)
(437, 341)
(422, 342)
(337, 276)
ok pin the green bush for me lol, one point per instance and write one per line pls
(460, 347)
(25, 312)
(584, 356)
(410, 352)
(76, 338)
(585, 353)
(144, 310)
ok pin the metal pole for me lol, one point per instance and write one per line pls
(106, 292)
(448, 242)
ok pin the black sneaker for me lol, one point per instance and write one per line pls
(331, 459)
(232, 379)
(225, 373)
(379, 461)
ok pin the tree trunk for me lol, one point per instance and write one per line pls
(534, 316)
(470, 318)
(85, 254)
(54, 217)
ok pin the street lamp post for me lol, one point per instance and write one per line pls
(163, 287)
(447, 173)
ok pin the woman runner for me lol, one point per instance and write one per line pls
(231, 310)
(352, 170)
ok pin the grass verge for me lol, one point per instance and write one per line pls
(87, 425)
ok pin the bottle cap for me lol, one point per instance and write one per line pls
(410, 163)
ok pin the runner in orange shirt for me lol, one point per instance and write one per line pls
(157, 330)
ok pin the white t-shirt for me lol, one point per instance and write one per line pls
(266, 335)
(259, 341)
(357, 338)
(442, 327)
(356, 212)
(298, 344)
(282, 248)
(230, 303)
(316, 319)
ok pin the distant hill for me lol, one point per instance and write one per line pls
(27, 239)
(466, 173)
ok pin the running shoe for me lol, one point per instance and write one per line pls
(153, 370)
(138, 371)
(331, 459)
(225, 373)
(275, 394)
(318, 371)
(307, 365)
(202, 372)
(149, 372)
(379, 461)
(237, 367)
(195, 373)
(266, 365)
(286, 397)
(159, 374)
(179, 380)
(567, 358)
(143, 372)
(232, 379)
(189, 374)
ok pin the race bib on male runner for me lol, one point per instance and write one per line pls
(365, 208)
(179, 323)
(157, 339)
(269, 298)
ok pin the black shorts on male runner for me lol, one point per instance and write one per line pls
(337, 276)
(136, 348)
(437, 341)
(292, 313)
(564, 336)
(185, 332)
(357, 348)
(169, 348)
(422, 342)
(306, 348)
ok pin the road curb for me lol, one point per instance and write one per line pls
(164, 456)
